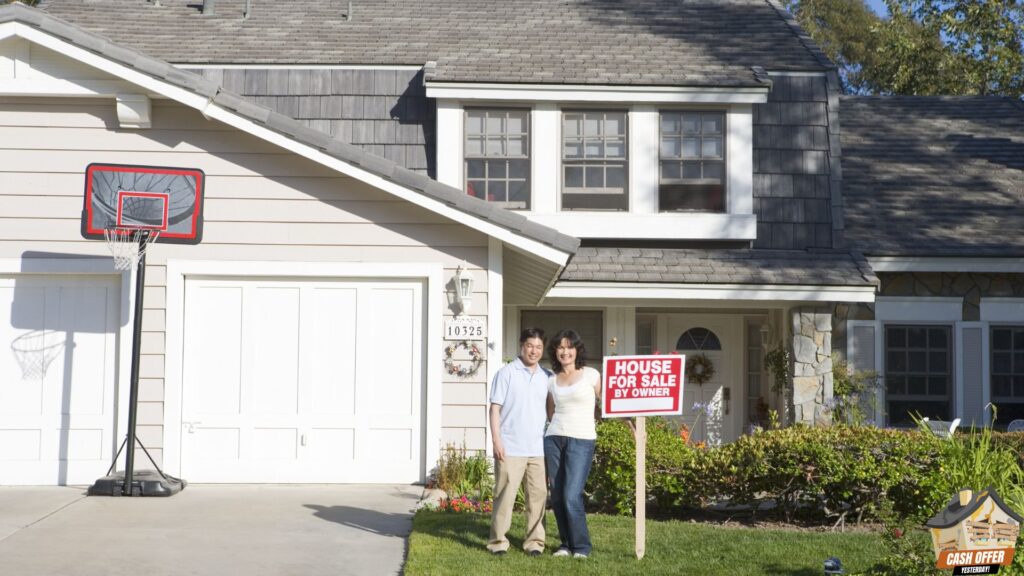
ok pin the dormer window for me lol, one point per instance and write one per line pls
(594, 164)
(692, 162)
(498, 156)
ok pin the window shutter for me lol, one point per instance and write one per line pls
(861, 357)
(972, 382)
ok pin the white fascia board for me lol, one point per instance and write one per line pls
(211, 110)
(748, 292)
(926, 264)
(797, 73)
(919, 308)
(665, 226)
(1002, 310)
(586, 93)
(43, 87)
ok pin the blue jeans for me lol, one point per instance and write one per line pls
(568, 463)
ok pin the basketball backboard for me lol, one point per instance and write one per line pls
(166, 200)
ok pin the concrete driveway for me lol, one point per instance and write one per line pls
(207, 529)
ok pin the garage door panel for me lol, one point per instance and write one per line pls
(393, 323)
(18, 445)
(215, 444)
(331, 350)
(274, 336)
(332, 444)
(83, 317)
(274, 443)
(213, 376)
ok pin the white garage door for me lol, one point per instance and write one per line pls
(302, 381)
(57, 375)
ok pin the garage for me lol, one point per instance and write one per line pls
(302, 380)
(58, 374)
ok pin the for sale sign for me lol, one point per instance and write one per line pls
(643, 386)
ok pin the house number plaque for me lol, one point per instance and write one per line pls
(464, 328)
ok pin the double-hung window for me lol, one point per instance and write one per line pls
(594, 165)
(692, 162)
(1008, 371)
(498, 156)
(918, 373)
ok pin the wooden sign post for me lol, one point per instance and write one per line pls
(641, 486)
(641, 386)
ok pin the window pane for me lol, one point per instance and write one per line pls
(691, 147)
(896, 385)
(916, 337)
(897, 337)
(670, 147)
(519, 192)
(518, 168)
(615, 124)
(712, 148)
(594, 177)
(712, 123)
(574, 177)
(670, 171)
(896, 361)
(713, 171)
(571, 125)
(474, 147)
(594, 149)
(496, 191)
(1001, 363)
(937, 386)
(516, 122)
(1002, 386)
(937, 337)
(936, 361)
(477, 188)
(1018, 386)
(475, 168)
(494, 123)
(616, 177)
(496, 146)
(1018, 339)
(496, 169)
(573, 149)
(474, 122)
(691, 170)
(517, 146)
(1002, 339)
(671, 123)
(615, 149)
(917, 385)
(691, 123)
(1018, 363)
(916, 361)
(592, 125)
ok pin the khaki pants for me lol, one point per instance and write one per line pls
(508, 476)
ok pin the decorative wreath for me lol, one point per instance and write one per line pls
(699, 369)
(458, 369)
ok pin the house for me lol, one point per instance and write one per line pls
(975, 522)
(660, 176)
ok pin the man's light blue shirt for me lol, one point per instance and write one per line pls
(523, 398)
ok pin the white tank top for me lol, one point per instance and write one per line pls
(574, 406)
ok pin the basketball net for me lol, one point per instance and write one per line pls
(128, 244)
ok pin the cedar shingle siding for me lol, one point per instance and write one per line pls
(384, 112)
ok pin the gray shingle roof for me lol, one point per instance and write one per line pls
(719, 266)
(287, 126)
(639, 42)
(934, 176)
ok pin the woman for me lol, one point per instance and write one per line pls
(569, 442)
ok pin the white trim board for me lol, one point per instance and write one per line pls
(297, 66)
(1006, 310)
(923, 264)
(617, 291)
(588, 93)
(178, 270)
(664, 226)
(211, 110)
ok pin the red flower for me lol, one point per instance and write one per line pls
(897, 532)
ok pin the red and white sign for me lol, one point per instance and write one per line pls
(643, 386)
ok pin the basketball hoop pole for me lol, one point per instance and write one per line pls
(133, 394)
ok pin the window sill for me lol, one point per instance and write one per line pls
(665, 226)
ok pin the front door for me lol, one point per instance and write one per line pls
(709, 409)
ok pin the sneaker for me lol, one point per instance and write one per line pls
(535, 553)
(562, 553)
(579, 555)
(498, 552)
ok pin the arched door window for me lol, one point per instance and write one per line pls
(699, 339)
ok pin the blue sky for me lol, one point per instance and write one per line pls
(878, 6)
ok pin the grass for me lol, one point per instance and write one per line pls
(447, 543)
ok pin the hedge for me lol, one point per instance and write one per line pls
(832, 472)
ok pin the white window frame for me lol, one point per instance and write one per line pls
(999, 311)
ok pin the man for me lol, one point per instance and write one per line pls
(518, 411)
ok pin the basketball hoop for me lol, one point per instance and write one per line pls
(35, 351)
(127, 244)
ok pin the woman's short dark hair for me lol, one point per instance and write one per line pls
(528, 333)
(575, 341)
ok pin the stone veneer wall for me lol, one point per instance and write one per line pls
(972, 287)
(812, 364)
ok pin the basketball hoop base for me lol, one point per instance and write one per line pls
(144, 483)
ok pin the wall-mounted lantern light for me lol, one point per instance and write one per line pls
(463, 293)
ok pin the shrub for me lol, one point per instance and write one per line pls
(464, 473)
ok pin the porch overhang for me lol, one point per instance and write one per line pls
(565, 293)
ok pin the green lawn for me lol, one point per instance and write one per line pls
(447, 543)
